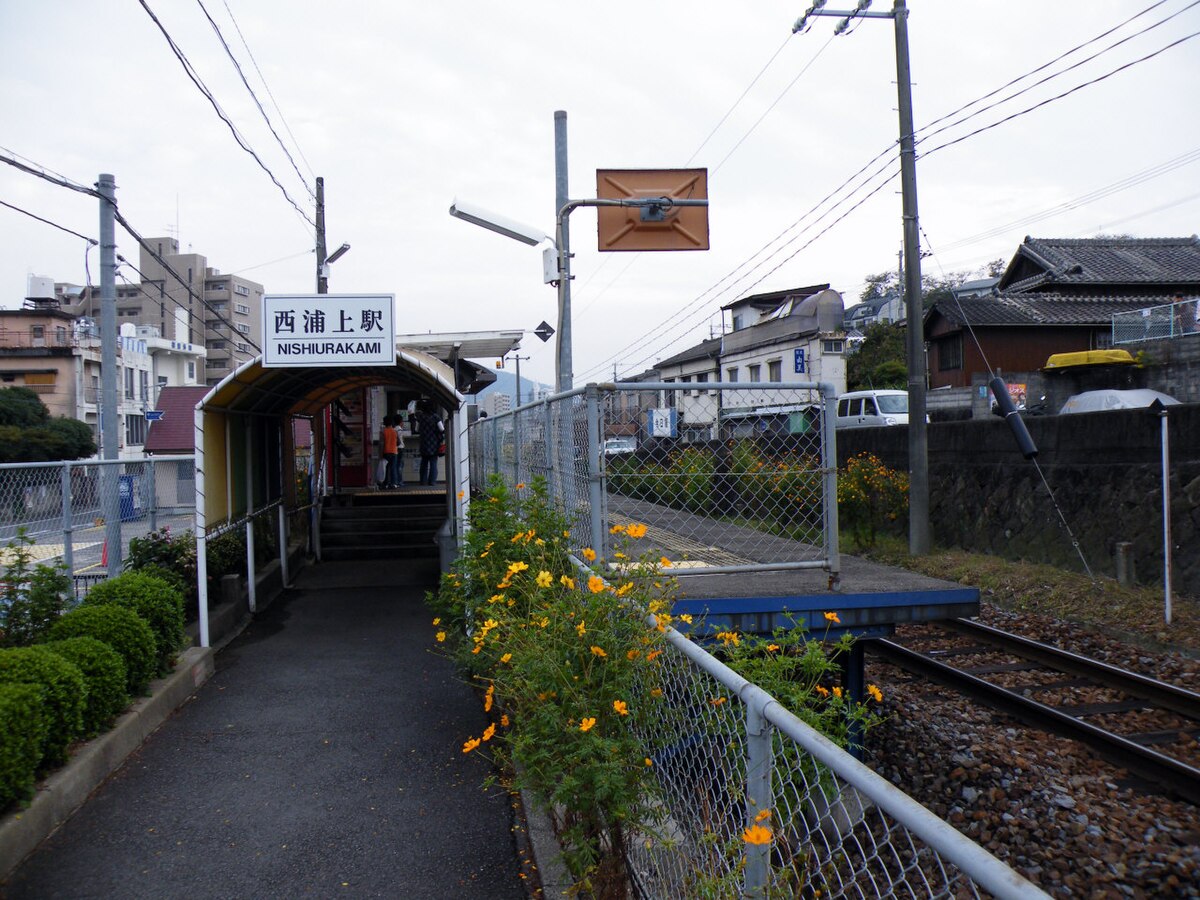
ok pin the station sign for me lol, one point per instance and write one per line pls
(304, 330)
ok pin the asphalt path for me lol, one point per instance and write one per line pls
(322, 759)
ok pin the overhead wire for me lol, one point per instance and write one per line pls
(90, 241)
(194, 77)
(242, 75)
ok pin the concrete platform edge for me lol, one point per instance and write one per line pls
(60, 795)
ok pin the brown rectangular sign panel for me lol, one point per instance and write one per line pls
(633, 228)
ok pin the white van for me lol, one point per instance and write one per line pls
(868, 409)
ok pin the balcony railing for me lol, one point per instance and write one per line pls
(1155, 323)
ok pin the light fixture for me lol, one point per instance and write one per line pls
(337, 254)
(476, 215)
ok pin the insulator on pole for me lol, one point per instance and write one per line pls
(1015, 423)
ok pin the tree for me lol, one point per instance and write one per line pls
(21, 407)
(879, 361)
(28, 434)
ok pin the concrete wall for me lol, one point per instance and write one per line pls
(1104, 470)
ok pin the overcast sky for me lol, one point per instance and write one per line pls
(403, 106)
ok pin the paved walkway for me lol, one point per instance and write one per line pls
(323, 759)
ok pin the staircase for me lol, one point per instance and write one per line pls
(382, 525)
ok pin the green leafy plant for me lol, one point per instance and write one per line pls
(32, 596)
(64, 694)
(123, 630)
(104, 671)
(162, 552)
(23, 729)
(155, 601)
(871, 498)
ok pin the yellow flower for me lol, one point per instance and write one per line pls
(633, 654)
(543, 621)
(488, 698)
(595, 584)
(772, 648)
(620, 707)
(471, 745)
(489, 732)
(567, 582)
(656, 692)
(586, 724)
(461, 494)
(580, 629)
(833, 617)
(650, 657)
(648, 761)
(625, 589)
(598, 651)
(757, 834)
(717, 701)
(496, 598)
(437, 621)
(686, 617)
(441, 636)
(520, 486)
(544, 579)
(636, 531)
(506, 657)
(822, 691)
(837, 692)
(665, 563)
(619, 555)
(616, 529)
(504, 720)
(762, 815)
(588, 554)
(876, 693)
(518, 566)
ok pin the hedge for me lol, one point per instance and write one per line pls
(64, 699)
(104, 671)
(152, 598)
(22, 732)
(122, 629)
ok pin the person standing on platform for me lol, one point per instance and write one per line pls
(389, 444)
(430, 434)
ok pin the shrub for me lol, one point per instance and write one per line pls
(161, 551)
(154, 600)
(32, 597)
(104, 671)
(227, 555)
(122, 629)
(22, 732)
(65, 694)
(871, 497)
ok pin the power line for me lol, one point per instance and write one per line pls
(263, 79)
(194, 77)
(90, 241)
(254, 97)
(55, 179)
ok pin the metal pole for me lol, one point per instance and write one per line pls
(759, 796)
(918, 451)
(322, 280)
(595, 487)
(1166, 484)
(152, 492)
(109, 479)
(564, 377)
(68, 516)
(201, 529)
(251, 595)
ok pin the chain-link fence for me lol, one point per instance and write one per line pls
(75, 510)
(727, 477)
(758, 804)
(1155, 323)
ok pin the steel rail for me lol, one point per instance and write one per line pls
(1172, 775)
(1160, 693)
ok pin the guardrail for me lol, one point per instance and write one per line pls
(1155, 323)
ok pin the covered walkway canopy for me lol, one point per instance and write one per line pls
(245, 445)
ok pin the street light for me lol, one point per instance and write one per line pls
(484, 218)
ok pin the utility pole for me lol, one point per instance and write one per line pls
(918, 450)
(566, 377)
(109, 437)
(322, 277)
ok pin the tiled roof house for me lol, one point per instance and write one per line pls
(1056, 296)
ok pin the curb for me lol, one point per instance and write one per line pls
(59, 796)
(552, 872)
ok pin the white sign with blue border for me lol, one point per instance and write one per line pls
(662, 423)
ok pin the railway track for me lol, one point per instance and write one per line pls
(1122, 716)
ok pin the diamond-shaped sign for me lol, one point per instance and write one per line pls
(544, 331)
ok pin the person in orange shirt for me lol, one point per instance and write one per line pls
(390, 445)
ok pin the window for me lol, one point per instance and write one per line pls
(216, 345)
(219, 306)
(128, 383)
(131, 312)
(775, 370)
(144, 384)
(241, 289)
(834, 346)
(950, 353)
(737, 321)
(135, 430)
(242, 327)
(37, 334)
(243, 347)
(242, 308)
(191, 371)
(216, 363)
(753, 373)
(702, 378)
(216, 286)
(731, 374)
(60, 336)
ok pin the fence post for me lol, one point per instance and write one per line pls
(595, 487)
(759, 796)
(68, 519)
(495, 448)
(552, 476)
(829, 465)
(283, 546)
(153, 494)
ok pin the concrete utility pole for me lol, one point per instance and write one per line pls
(918, 450)
(566, 375)
(322, 278)
(109, 425)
